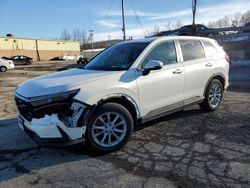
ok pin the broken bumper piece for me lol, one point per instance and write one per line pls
(47, 132)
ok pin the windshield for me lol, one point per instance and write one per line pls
(117, 57)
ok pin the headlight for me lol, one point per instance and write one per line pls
(58, 97)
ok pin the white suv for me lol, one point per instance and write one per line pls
(129, 83)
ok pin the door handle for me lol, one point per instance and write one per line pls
(177, 71)
(209, 64)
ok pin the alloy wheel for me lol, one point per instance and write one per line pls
(109, 129)
(215, 95)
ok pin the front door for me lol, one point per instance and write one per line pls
(161, 90)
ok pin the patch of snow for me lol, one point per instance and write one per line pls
(47, 121)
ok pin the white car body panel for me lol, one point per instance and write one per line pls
(69, 57)
(45, 129)
(7, 63)
(59, 82)
(119, 83)
(160, 88)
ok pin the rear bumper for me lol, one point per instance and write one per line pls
(12, 66)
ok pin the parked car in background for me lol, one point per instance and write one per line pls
(247, 25)
(57, 59)
(6, 64)
(127, 84)
(69, 57)
(21, 60)
(4, 57)
(200, 30)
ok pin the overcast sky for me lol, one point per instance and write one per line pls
(47, 18)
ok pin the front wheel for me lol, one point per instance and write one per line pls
(109, 127)
(213, 96)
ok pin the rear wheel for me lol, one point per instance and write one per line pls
(213, 96)
(109, 128)
(3, 69)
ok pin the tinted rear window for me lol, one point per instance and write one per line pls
(210, 49)
(191, 50)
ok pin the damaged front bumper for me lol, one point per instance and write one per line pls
(52, 134)
(52, 121)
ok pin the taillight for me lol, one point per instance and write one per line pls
(10, 62)
(227, 58)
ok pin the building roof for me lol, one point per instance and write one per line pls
(23, 38)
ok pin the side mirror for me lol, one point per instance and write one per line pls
(151, 65)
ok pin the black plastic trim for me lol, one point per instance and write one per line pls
(155, 114)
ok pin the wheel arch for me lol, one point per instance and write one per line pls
(125, 101)
(219, 77)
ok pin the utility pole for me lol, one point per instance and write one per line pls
(123, 22)
(91, 37)
(194, 4)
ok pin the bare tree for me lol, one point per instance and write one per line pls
(168, 26)
(153, 31)
(175, 25)
(236, 19)
(221, 23)
(178, 24)
(83, 37)
(76, 35)
(225, 22)
(245, 18)
(65, 35)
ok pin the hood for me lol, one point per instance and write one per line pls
(59, 82)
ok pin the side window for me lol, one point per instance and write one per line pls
(164, 52)
(210, 49)
(191, 50)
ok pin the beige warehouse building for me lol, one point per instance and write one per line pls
(38, 49)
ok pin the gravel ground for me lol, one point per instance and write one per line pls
(186, 149)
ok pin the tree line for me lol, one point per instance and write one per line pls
(76, 35)
(235, 20)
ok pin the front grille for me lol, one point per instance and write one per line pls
(28, 111)
(24, 108)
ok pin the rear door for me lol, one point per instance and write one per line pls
(197, 69)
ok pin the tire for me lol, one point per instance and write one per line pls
(213, 96)
(116, 136)
(3, 69)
